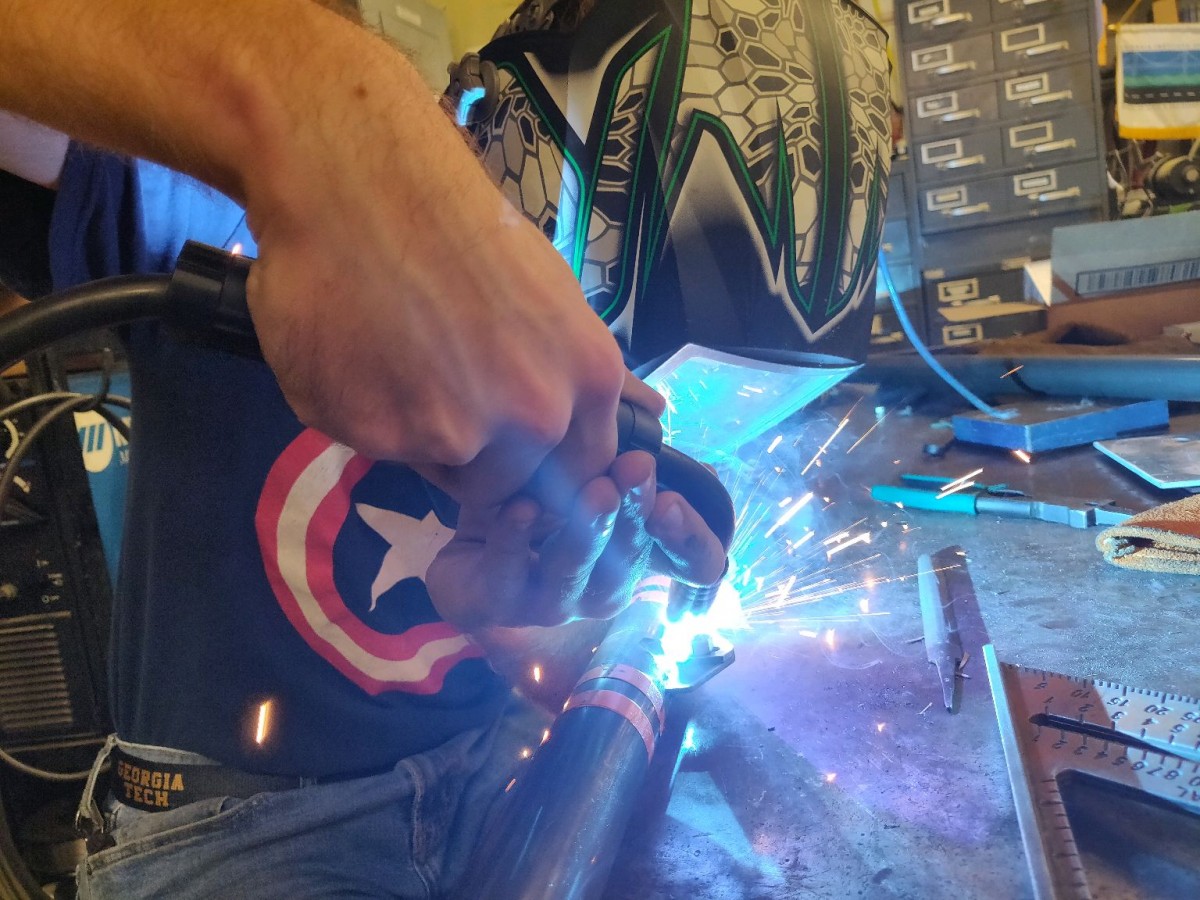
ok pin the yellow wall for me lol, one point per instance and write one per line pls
(472, 22)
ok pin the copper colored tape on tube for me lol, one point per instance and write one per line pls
(634, 677)
(622, 706)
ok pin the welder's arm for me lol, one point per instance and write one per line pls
(406, 308)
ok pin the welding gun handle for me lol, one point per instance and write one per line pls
(207, 300)
(913, 498)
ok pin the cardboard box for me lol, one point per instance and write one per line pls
(1129, 255)
(1138, 314)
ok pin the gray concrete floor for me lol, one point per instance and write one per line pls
(828, 767)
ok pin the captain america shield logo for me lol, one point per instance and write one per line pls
(347, 567)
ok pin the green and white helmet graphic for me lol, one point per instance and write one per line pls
(715, 170)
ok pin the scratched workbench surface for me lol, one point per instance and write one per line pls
(823, 762)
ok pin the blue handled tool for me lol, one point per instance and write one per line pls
(974, 498)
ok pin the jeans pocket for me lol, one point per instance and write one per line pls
(129, 824)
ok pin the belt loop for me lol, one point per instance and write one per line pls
(88, 818)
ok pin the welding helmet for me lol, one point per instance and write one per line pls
(714, 170)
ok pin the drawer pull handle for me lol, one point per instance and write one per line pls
(1043, 49)
(960, 115)
(1049, 98)
(1064, 194)
(950, 19)
(963, 162)
(1032, 2)
(968, 210)
(954, 67)
(1051, 146)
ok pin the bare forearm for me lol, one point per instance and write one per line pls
(230, 92)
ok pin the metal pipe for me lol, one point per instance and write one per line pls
(557, 833)
(1119, 377)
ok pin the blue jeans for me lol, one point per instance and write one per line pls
(406, 833)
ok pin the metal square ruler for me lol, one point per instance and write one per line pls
(1054, 725)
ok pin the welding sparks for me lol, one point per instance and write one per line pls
(537, 674)
(1012, 371)
(878, 419)
(959, 484)
(830, 777)
(526, 753)
(879, 726)
(545, 735)
(1022, 456)
(263, 728)
(236, 250)
(772, 570)
(790, 513)
(861, 538)
(842, 424)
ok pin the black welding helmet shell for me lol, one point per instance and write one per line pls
(715, 171)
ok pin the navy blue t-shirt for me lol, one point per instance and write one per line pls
(271, 612)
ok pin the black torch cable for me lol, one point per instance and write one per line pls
(98, 304)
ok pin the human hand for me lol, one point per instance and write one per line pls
(410, 312)
(517, 564)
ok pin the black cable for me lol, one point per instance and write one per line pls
(16, 881)
(99, 304)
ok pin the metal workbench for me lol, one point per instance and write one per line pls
(825, 765)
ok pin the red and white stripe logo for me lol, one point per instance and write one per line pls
(304, 504)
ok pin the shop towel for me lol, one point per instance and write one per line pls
(1163, 539)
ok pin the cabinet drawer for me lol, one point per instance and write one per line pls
(966, 156)
(1046, 92)
(980, 305)
(1040, 192)
(955, 110)
(1054, 189)
(1007, 10)
(923, 21)
(963, 205)
(1043, 141)
(989, 286)
(1046, 42)
(949, 63)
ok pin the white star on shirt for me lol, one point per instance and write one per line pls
(414, 544)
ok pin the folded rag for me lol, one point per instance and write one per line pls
(1163, 539)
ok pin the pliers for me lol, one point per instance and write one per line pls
(929, 492)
